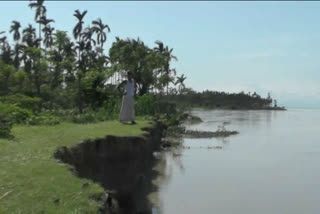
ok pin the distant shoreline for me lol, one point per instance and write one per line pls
(239, 108)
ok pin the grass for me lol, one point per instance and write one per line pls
(33, 181)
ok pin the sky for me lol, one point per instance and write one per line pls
(224, 46)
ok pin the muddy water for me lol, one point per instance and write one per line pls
(272, 166)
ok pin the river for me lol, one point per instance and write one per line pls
(270, 167)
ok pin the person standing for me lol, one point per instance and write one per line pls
(127, 108)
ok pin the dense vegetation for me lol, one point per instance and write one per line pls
(47, 74)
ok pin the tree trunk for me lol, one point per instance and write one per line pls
(38, 85)
(40, 40)
(101, 48)
(79, 53)
(80, 103)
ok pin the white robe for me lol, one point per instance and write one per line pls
(127, 108)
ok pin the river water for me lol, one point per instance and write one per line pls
(271, 167)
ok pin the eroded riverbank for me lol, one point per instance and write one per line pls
(125, 166)
(122, 165)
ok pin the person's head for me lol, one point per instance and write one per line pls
(129, 76)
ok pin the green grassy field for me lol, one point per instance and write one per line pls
(32, 180)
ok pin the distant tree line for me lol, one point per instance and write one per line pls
(222, 100)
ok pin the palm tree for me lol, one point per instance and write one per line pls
(160, 48)
(99, 28)
(167, 57)
(15, 27)
(2, 39)
(180, 81)
(81, 46)
(87, 38)
(40, 12)
(18, 53)
(43, 20)
(29, 36)
(48, 36)
(77, 30)
(6, 53)
(47, 29)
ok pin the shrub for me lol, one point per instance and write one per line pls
(145, 105)
(18, 115)
(44, 119)
(110, 110)
(88, 117)
(5, 125)
(15, 113)
(23, 101)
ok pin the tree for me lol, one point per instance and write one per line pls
(168, 57)
(99, 28)
(160, 48)
(165, 71)
(6, 53)
(48, 36)
(6, 75)
(180, 81)
(40, 12)
(134, 56)
(29, 36)
(15, 27)
(77, 31)
(47, 30)
(18, 52)
(87, 38)
(62, 57)
(34, 67)
(2, 39)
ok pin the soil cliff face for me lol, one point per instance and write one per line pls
(122, 165)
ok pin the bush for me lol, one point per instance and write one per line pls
(110, 109)
(88, 117)
(44, 119)
(15, 113)
(145, 105)
(23, 101)
(18, 115)
(5, 125)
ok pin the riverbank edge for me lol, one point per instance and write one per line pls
(115, 149)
